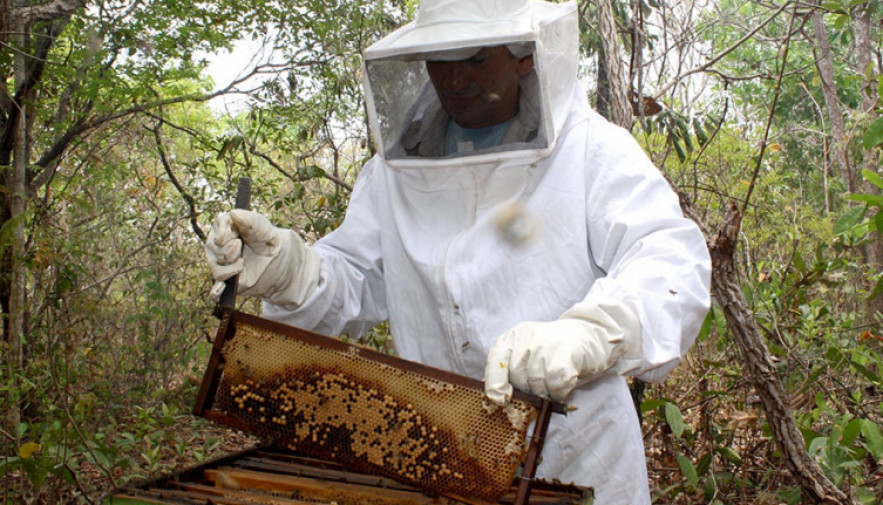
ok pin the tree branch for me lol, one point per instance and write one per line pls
(336, 180)
(769, 124)
(720, 56)
(191, 202)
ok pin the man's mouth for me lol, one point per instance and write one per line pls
(460, 100)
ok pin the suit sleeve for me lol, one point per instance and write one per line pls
(656, 260)
(350, 297)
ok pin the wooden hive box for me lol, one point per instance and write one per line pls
(271, 476)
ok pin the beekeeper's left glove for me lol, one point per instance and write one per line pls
(272, 263)
(552, 358)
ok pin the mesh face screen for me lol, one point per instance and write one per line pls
(370, 416)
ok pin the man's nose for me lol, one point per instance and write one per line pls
(456, 76)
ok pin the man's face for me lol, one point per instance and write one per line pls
(483, 90)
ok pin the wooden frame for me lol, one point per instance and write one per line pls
(227, 331)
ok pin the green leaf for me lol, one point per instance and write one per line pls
(707, 325)
(873, 177)
(809, 435)
(866, 496)
(311, 171)
(835, 357)
(720, 320)
(651, 404)
(700, 132)
(871, 200)
(878, 290)
(689, 470)
(730, 455)
(799, 263)
(817, 446)
(832, 6)
(874, 134)
(850, 432)
(877, 221)
(866, 372)
(678, 149)
(873, 438)
(704, 463)
(710, 489)
(675, 419)
(688, 142)
(682, 155)
(850, 219)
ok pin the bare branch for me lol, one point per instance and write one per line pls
(336, 180)
(680, 77)
(191, 202)
(769, 124)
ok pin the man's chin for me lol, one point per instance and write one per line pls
(467, 117)
(472, 124)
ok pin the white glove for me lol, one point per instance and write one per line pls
(552, 358)
(274, 264)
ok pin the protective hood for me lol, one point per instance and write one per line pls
(407, 120)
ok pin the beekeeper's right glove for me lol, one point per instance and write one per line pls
(551, 358)
(272, 263)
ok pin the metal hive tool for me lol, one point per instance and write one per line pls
(371, 412)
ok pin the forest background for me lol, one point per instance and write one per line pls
(763, 114)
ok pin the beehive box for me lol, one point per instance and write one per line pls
(270, 476)
(370, 412)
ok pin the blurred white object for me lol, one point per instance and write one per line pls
(515, 223)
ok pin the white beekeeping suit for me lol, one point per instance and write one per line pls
(563, 232)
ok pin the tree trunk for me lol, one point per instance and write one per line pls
(15, 177)
(619, 105)
(30, 58)
(602, 102)
(744, 330)
(871, 157)
(825, 67)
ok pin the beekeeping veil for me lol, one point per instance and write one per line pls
(404, 109)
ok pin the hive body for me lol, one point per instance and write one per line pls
(272, 476)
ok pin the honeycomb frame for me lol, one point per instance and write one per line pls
(371, 412)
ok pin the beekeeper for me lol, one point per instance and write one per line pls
(505, 230)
